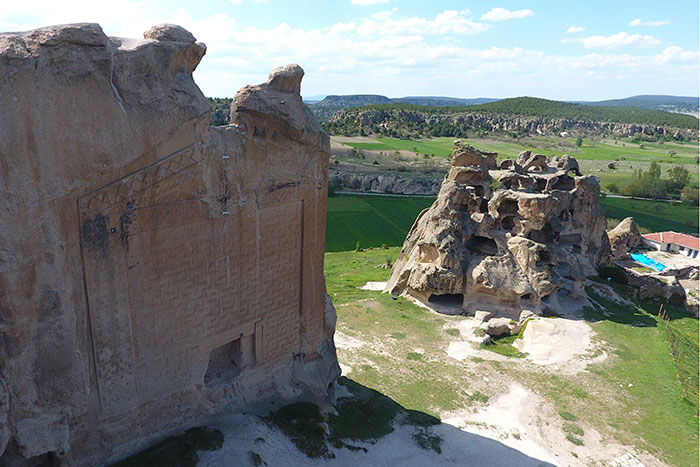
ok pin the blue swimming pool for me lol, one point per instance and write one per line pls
(646, 261)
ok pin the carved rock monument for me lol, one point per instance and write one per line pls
(509, 237)
(153, 269)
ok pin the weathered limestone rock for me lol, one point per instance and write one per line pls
(658, 285)
(153, 269)
(623, 238)
(513, 237)
(497, 326)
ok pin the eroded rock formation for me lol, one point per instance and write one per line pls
(512, 236)
(153, 269)
(624, 238)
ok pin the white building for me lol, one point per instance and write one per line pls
(673, 242)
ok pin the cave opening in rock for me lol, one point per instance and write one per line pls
(541, 184)
(479, 189)
(448, 299)
(227, 361)
(542, 259)
(482, 245)
(508, 206)
(545, 235)
(507, 223)
(484, 206)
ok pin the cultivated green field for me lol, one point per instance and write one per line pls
(382, 220)
(654, 216)
(609, 150)
(371, 220)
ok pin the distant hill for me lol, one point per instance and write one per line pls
(446, 101)
(323, 109)
(533, 106)
(677, 104)
(353, 100)
(514, 116)
(454, 116)
(313, 99)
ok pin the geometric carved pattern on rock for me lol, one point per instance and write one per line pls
(132, 305)
(193, 282)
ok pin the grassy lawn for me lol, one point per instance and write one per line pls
(403, 361)
(655, 216)
(650, 403)
(632, 397)
(372, 220)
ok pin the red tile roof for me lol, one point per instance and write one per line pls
(687, 241)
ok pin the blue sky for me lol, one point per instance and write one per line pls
(553, 49)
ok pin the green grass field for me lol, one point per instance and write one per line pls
(609, 150)
(655, 216)
(633, 396)
(372, 220)
(382, 220)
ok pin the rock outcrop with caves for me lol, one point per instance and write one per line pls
(154, 270)
(509, 236)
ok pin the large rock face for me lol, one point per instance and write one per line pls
(153, 269)
(506, 237)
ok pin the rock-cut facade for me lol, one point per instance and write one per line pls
(154, 270)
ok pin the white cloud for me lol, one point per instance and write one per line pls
(613, 41)
(388, 54)
(447, 22)
(575, 29)
(639, 22)
(501, 14)
(384, 15)
(368, 2)
(236, 2)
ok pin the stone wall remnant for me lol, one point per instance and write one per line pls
(510, 236)
(153, 269)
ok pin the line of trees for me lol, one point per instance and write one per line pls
(649, 184)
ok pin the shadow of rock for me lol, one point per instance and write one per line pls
(248, 436)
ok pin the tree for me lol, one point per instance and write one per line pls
(679, 176)
(647, 184)
(690, 195)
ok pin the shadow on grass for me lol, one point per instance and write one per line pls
(365, 417)
(180, 450)
(610, 310)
